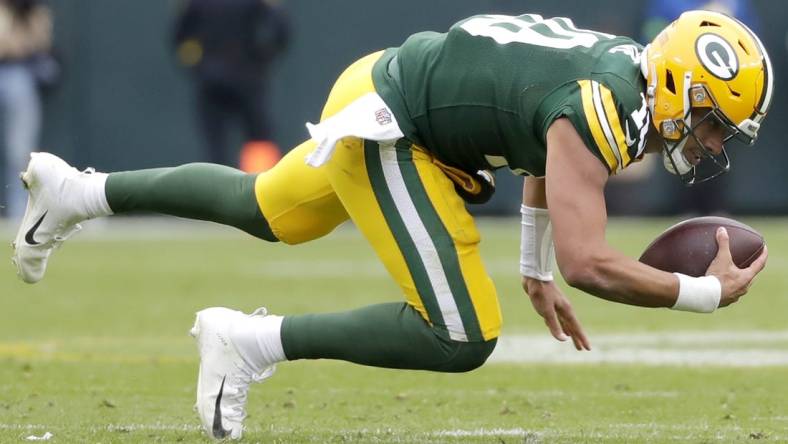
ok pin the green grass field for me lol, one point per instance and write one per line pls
(99, 352)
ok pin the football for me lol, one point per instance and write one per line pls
(689, 246)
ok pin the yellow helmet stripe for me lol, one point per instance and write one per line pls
(593, 121)
(615, 125)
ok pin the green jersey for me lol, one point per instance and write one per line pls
(484, 94)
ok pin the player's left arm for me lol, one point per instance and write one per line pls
(547, 299)
(575, 182)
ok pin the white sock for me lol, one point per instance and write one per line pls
(95, 197)
(258, 340)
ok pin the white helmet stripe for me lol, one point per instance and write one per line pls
(766, 98)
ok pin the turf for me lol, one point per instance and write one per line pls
(98, 351)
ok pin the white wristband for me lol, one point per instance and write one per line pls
(698, 294)
(536, 244)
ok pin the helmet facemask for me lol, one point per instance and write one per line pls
(709, 166)
(676, 133)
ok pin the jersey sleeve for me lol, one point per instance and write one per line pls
(601, 121)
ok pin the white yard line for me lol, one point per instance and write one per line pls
(617, 431)
(694, 348)
(482, 432)
(729, 349)
(21, 426)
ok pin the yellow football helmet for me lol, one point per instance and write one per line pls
(706, 60)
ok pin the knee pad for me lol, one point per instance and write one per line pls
(469, 356)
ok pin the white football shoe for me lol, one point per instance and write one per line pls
(52, 215)
(224, 377)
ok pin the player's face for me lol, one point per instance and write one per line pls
(702, 148)
(710, 134)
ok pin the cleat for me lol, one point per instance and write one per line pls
(224, 376)
(51, 216)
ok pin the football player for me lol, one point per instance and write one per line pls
(407, 136)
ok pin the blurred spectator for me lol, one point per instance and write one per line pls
(25, 40)
(229, 46)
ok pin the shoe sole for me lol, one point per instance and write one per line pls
(31, 211)
(195, 332)
(38, 178)
(198, 332)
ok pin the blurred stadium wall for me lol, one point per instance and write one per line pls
(125, 104)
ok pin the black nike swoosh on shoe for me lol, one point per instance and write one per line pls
(219, 431)
(32, 231)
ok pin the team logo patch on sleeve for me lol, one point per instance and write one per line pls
(717, 56)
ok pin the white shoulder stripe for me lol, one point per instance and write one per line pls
(600, 112)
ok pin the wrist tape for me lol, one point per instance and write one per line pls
(536, 244)
(698, 294)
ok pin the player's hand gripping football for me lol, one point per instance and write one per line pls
(554, 307)
(735, 281)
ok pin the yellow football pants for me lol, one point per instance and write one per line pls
(404, 205)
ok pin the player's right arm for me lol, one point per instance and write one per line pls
(547, 299)
(575, 181)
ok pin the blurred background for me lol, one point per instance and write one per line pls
(127, 85)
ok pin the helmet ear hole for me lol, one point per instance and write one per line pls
(669, 84)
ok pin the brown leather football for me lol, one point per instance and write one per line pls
(689, 246)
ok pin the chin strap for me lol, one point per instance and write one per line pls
(675, 162)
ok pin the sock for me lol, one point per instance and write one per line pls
(94, 199)
(258, 340)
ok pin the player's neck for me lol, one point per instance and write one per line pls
(654, 142)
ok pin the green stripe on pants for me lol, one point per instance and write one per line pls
(401, 235)
(442, 241)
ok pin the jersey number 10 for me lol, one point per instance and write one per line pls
(559, 32)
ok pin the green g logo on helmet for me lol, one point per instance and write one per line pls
(717, 56)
